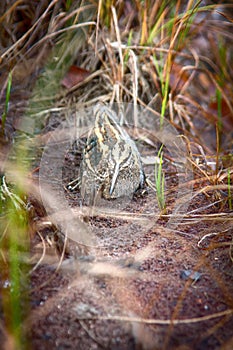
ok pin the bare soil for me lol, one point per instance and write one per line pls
(66, 311)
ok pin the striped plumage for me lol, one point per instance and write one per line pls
(111, 163)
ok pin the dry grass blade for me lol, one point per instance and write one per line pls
(166, 322)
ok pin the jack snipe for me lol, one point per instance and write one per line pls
(111, 163)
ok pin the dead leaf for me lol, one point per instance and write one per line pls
(74, 76)
(178, 77)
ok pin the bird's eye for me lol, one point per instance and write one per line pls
(91, 144)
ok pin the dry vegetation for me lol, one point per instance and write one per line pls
(143, 275)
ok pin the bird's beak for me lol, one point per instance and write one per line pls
(114, 178)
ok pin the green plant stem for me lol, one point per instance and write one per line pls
(14, 245)
(229, 189)
(8, 92)
(160, 181)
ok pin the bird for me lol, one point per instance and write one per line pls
(111, 165)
